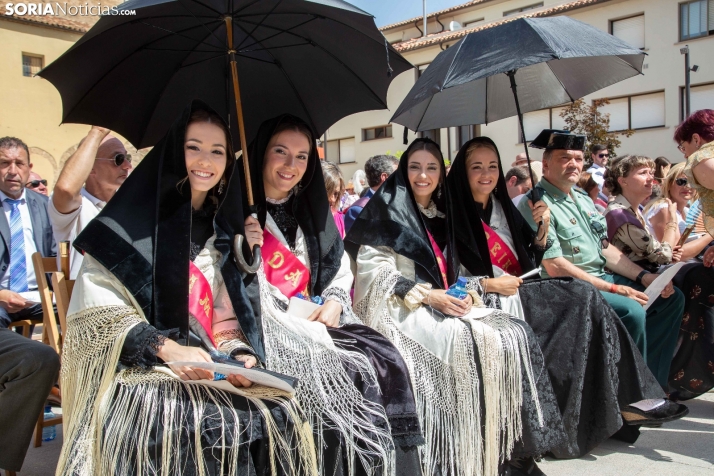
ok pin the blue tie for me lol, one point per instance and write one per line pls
(18, 261)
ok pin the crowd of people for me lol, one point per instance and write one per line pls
(441, 336)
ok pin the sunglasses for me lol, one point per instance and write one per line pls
(681, 182)
(118, 159)
(604, 156)
(36, 183)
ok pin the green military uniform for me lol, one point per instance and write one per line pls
(577, 231)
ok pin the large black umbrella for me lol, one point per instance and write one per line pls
(250, 60)
(552, 61)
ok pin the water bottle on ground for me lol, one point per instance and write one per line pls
(49, 433)
(458, 289)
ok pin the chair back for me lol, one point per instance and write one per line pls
(62, 285)
(50, 332)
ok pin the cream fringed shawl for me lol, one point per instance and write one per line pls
(440, 355)
(106, 426)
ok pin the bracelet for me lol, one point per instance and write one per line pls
(485, 285)
(614, 288)
(638, 279)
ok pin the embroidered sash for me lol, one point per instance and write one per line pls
(501, 254)
(440, 260)
(200, 299)
(282, 268)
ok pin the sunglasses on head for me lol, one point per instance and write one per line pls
(681, 182)
(604, 156)
(36, 183)
(118, 159)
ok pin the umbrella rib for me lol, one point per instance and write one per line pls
(256, 59)
(199, 61)
(572, 99)
(177, 34)
(207, 6)
(280, 32)
(274, 48)
(250, 35)
(202, 24)
(422, 116)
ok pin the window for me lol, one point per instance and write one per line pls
(636, 112)
(381, 132)
(534, 122)
(433, 134)
(32, 64)
(473, 23)
(523, 9)
(696, 19)
(466, 133)
(630, 30)
(700, 97)
(341, 151)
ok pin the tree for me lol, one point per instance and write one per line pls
(594, 124)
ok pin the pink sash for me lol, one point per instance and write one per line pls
(501, 254)
(200, 299)
(282, 268)
(440, 260)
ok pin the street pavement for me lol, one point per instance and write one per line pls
(684, 447)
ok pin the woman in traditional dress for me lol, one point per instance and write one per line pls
(595, 368)
(478, 374)
(652, 244)
(155, 268)
(354, 386)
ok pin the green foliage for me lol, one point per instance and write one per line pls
(397, 154)
(588, 120)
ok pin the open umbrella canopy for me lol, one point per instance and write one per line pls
(320, 60)
(556, 60)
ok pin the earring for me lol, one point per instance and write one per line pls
(438, 192)
(298, 187)
(220, 186)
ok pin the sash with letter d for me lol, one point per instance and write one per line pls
(501, 254)
(282, 268)
(200, 299)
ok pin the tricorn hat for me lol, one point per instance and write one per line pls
(550, 139)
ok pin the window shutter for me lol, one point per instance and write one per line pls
(333, 150)
(618, 110)
(347, 150)
(711, 15)
(702, 97)
(534, 122)
(558, 122)
(631, 30)
(647, 110)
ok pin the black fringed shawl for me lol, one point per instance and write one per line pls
(471, 241)
(143, 236)
(391, 218)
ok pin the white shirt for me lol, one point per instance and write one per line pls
(598, 174)
(66, 226)
(30, 246)
(517, 199)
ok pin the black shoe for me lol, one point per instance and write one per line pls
(525, 467)
(670, 411)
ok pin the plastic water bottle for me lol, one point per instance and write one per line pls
(458, 289)
(49, 433)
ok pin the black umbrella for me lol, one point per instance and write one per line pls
(553, 60)
(320, 60)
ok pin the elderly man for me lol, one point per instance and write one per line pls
(25, 229)
(90, 178)
(38, 184)
(580, 249)
(378, 169)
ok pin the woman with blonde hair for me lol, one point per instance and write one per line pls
(335, 186)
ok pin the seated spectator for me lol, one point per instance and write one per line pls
(521, 159)
(656, 193)
(89, 178)
(28, 369)
(689, 375)
(589, 186)
(335, 185)
(359, 181)
(518, 182)
(662, 166)
(581, 250)
(599, 156)
(377, 169)
(25, 229)
(38, 184)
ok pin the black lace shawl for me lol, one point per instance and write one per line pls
(471, 239)
(391, 218)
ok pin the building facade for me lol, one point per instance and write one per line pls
(652, 104)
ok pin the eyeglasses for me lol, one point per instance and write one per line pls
(118, 159)
(682, 182)
(36, 183)
(681, 147)
(604, 156)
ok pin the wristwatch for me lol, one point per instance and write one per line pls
(638, 279)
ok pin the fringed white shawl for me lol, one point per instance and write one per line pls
(326, 392)
(444, 371)
(106, 425)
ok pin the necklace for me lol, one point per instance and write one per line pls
(279, 201)
(431, 211)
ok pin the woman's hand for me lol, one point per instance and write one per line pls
(253, 232)
(540, 212)
(668, 290)
(449, 305)
(677, 254)
(672, 209)
(239, 381)
(507, 285)
(329, 314)
(172, 351)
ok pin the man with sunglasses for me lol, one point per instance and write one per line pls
(600, 157)
(38, 184)
(89, 179)
(580, 250)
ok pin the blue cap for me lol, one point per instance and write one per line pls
(461, 281)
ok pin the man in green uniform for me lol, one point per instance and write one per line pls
(580, 249)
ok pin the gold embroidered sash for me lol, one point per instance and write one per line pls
(282, 268)
(501, 254)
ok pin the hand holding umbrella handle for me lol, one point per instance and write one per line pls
(240, 260)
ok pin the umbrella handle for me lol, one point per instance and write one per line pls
(240, 260)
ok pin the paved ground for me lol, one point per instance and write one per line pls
(685, 447)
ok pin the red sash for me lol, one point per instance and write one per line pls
(200, 299)
(282, 268)
(501, 254)
(440, 260)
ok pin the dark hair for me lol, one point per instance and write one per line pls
(621, 167)
(13, 142)
(334, 182)
(520, 172)
(378, 165)
(660, 163)
(586, 182)
(595, 148)
(433, 149)
(289, 124)
(700, 122)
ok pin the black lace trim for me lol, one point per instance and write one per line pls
(403, 286)
(284, 218)
(141, 345)
(544, 248)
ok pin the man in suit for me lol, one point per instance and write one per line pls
(25, 228)
(378, 169)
